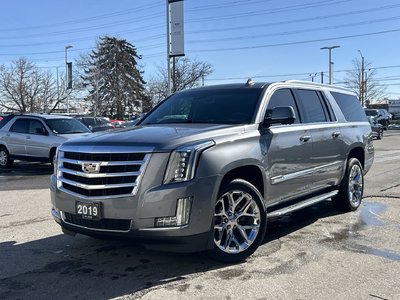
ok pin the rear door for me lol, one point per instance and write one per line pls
(38, 138)
(16, 137)
(327, 154)
(288, 147)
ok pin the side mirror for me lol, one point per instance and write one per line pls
(279, 115)
(90, 127)
(41, 131)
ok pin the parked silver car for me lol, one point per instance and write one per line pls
(35, 137)
(207, 167)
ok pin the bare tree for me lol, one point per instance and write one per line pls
(374, 91)
(188, 73)
(26, 88)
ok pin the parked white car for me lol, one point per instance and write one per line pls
(35, 137)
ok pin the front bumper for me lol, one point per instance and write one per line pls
(143, 209)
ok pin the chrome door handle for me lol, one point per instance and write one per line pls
(305, 138)
(8, 134)
(335, 134)
(28, 137)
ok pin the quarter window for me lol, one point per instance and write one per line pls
(350, 106)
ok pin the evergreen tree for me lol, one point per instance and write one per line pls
(116, 85)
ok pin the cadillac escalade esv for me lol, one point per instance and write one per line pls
(206, 168)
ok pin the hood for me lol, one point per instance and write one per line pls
(160, 138)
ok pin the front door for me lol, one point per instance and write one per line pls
(288, 151)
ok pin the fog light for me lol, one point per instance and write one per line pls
(181, 218)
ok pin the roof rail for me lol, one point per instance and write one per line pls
(319, 84)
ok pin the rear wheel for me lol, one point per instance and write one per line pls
(5, 161)
(239, 222)
(351, 188)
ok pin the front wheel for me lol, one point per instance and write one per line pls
(351, 188)
(239, 222)
(5, 161)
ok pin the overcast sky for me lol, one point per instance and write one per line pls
(268, 40)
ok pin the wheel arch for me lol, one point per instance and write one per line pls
(53, 150)
(357, 152)
(250, 173)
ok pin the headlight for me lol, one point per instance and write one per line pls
(182, 162)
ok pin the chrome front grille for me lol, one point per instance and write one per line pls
(100, 175)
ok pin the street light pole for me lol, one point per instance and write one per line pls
(362, 85)
(330, 61)
(66, 73)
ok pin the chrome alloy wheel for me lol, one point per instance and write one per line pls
(237, 221)
(3, 158)
(355, 185)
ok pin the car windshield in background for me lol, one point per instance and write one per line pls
(66, 126)
(230, 106)
(371, 113)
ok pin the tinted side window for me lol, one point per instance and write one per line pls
(34, 126)
(20, 126)
(311, 106)
(5, 120)
(350, 107)
(89, 121)
(283, 97)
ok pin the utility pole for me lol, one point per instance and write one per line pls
(322, 77)
(330, 61)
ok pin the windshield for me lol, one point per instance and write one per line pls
(66, 126)
(225, 106)
(371, 112)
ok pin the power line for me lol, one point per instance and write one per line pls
(296, 74)
(294, 43)
(270, 11)
(292, 21)
(139, 29)
(84, 20)
(226, 4)
(293, 31)
(86, 28)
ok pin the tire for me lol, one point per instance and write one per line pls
(351, 188)
(239, 222)
(5, 161)
(52, 153)
(380, 134)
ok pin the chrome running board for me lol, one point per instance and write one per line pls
(301, 205)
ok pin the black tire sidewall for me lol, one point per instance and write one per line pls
(342, 200)
(218, 254)
(8, 162)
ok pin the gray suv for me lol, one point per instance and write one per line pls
(206, 168)
(35, 137)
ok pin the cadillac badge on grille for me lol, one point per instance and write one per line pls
(90, 167)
